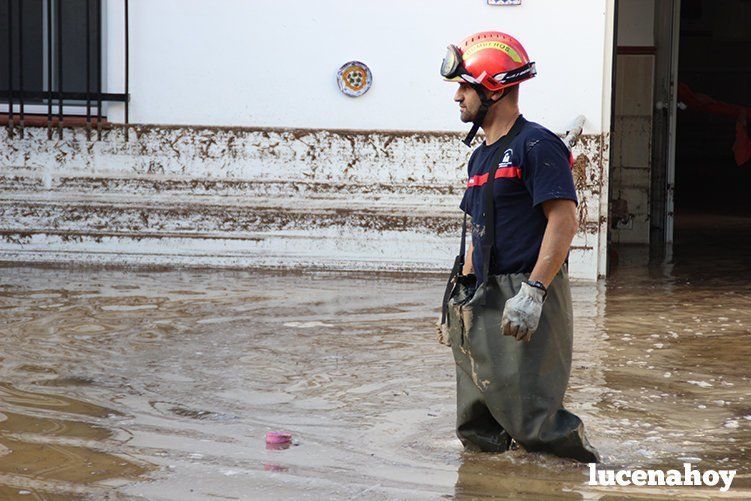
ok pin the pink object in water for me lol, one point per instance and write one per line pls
(278, 437)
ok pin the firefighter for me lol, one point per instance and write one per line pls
(508, 314)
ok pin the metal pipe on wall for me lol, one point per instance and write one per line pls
(49, 69)
(88, 69)
(60, 67)
(10, 69)
(20, 65)
(127, 71)
(99, 69)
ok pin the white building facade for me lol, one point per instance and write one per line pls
(241, 151)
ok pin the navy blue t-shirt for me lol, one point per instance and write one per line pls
(536, 167)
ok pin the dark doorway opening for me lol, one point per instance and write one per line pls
(712, 167)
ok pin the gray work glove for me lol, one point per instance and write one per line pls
(521, 315)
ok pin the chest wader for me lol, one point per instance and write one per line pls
(509, 389)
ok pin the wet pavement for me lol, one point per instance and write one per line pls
(163, 384)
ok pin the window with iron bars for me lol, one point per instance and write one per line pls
(51, 59)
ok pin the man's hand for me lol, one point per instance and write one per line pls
(521, 315)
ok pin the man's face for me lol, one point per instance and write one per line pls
(469, 102)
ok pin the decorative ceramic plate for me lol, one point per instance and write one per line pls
(354, 78)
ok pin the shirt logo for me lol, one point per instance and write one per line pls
(506, 162)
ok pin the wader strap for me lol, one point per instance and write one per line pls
(455, 272)
(488, 242)
(464, 238)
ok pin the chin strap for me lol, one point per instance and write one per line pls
(485, 104)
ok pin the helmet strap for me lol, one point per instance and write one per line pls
(485, 104)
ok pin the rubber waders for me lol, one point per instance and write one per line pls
(511, 389)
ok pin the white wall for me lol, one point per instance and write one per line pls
(273, 63)
(636, 23)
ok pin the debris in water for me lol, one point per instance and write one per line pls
(278, 437)
(278, 440)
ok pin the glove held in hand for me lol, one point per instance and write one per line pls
(521, 314)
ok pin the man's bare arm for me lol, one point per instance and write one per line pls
(561, 228)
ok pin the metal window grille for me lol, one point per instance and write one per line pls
(53, 57)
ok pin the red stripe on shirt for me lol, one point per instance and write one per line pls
(507, 172)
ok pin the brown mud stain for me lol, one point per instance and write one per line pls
(580, 167)
(66, 463)
(38, 452)
(13, 396)
(23, 492)
(14, 423)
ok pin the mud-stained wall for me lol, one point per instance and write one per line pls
(254, 197)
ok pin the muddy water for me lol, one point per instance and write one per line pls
(163, 384)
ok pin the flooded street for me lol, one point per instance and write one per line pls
(163, 384)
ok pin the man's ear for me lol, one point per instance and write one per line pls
(497, 95)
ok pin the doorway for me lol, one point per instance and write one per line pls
(636, 89)
(712, 148)
(680, 152)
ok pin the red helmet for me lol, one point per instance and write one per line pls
(492, 59)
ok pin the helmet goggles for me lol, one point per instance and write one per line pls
(452, 68)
